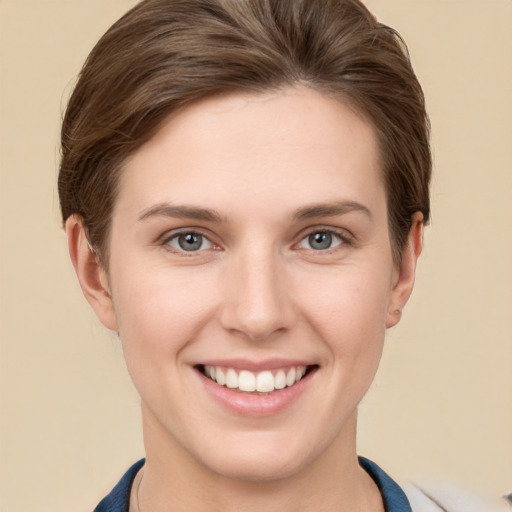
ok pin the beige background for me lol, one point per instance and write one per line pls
(441, 404)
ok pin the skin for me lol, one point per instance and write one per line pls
(257, 289)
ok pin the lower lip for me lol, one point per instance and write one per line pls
(254, 405)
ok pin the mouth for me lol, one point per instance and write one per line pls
(256, 383)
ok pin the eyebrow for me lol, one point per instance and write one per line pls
(205, 214)
(331, 210)
(182, 212)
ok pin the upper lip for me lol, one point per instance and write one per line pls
(255, 366)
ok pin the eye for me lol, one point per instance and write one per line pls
(321, 241)
(189, 241)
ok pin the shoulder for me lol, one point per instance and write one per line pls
(446, 497)
(428, 496)
(119, 498)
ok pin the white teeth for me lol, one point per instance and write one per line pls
(220, 377)
(290, 377)
(246, 381)
(301, 370)
(265, 382)
(231, 379)
(262, 382)
(280, 380)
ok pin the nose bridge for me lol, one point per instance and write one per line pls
(256, 303)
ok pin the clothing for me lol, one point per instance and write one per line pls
(394, 498)
(119, 498)
(446, 497)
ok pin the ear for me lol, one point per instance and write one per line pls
(403, 282)
(92, 277)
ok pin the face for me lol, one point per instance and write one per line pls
(252, 281)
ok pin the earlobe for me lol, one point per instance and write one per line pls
(404, 282)
(91, 275)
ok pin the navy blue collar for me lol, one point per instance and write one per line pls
(119, 499)
(394, 498)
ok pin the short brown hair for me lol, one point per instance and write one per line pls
(165, 54)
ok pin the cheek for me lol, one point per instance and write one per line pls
(348, 311)
(348, 306)
(159, 311)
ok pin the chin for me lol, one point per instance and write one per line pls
(258, 470)
(259, 460)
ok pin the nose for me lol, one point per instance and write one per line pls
(257, 300)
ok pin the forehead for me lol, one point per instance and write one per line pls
(285, 147)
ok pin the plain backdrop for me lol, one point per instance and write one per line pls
(440, 407)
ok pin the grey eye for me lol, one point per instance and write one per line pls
(321, 241)
(189, 242)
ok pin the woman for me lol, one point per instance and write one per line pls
(244, 186)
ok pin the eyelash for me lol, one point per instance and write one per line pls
(166, 242)
(343, 237)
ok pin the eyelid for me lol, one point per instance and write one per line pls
(165, 239)
(346, 237)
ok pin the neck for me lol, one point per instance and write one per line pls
(175, 480)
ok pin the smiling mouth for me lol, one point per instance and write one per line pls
(264, 382)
